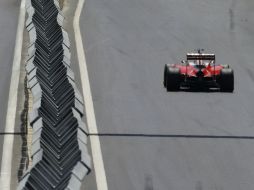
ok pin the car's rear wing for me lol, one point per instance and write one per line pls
(200, 56)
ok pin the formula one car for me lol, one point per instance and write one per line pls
(198, 71)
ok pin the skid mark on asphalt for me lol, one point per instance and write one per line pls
(232, 15)
(199, 185)
(232, 23)
(231, 12)
(148, 182)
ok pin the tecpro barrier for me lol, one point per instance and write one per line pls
(59, 145)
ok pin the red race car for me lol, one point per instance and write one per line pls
(198, 71)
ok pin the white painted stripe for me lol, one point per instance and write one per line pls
(89, 108)
(5, 179)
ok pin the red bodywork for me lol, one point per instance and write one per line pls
(191, 71)
(199, 70)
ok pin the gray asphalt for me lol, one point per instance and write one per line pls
(9, 10)
(127, 44)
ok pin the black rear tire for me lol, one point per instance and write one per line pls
(226, 80)
(172, 79)
(165, 76)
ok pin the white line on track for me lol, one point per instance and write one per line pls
(100, 174)
(5, 178)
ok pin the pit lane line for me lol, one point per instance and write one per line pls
(100, 175)
(5, 178)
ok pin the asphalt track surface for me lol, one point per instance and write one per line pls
(9, 10)
(127, 44)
